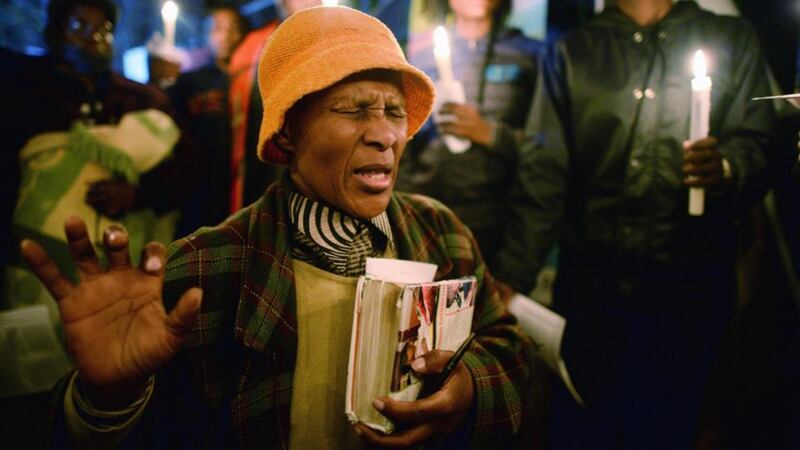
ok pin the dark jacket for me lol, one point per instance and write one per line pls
(200, 99)
(475, 184)
(601, 162)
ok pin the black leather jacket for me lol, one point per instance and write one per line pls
(600, 166)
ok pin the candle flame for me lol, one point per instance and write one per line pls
(441, 42)
(700, 69)
(169, 11)
(330, 2)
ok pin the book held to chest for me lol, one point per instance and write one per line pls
(399, 315)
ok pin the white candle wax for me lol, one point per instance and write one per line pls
(169, 13)
(700, 113)
(441, 53)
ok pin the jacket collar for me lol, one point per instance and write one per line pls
(267, 280)
(681, 11)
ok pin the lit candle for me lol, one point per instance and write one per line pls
(169, 13)
(330, 2)
(441, 53)
(448, 89)
(701, 111)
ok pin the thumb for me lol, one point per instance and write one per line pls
(431, 362)
(183, 316)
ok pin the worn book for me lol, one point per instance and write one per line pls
(395, 320)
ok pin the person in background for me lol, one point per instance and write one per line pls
(77, 137)
(200, 98)
(498, 67)
(89, 139)
(796, 165)
(253, 353)
(647, 290)
(248, 177)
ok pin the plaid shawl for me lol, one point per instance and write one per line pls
(231, 384)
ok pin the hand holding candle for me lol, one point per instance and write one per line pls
(448, 89)
(165, 60)
(701, 111)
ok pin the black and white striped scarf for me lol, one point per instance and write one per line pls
(335, 241)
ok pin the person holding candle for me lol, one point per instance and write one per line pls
(200, 98)
(497, 68)
(253, 351)
(71, 93)
(646, 288)
(75, 138)
(248, 177)
(164, 61)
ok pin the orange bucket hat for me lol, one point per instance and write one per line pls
(320, 46)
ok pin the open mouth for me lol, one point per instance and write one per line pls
(375, 178)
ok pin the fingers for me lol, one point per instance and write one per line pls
(505, 290)
(456, 114)
(455, 395)
(97, 190)
(704, 168)
(99, 195)
(453, 128)
(81, 247)
(704, 143)
(152, 261)
(418, 411)
(431, 362)
(431, 417)
(112, 198)
(453, 109)
(703, 182)
(183, 316)
(700, 156)
(702, 163)
(115, 242)
(464, 121)
(44, 269)
(403, 439)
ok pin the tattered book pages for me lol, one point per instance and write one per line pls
(393, 323)
(31, 357)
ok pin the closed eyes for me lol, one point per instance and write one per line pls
(390, 111)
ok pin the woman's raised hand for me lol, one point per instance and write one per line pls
(114, 320)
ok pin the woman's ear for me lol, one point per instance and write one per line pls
(283, 141)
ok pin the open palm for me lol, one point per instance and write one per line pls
(114, 320)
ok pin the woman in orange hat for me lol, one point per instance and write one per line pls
(253, 350)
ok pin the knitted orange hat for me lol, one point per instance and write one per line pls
(320, 46)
